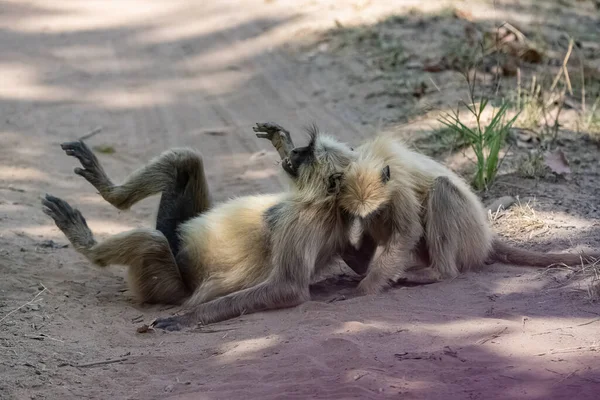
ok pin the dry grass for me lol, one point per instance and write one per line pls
(520, 219)
(532, 167)
(589, 121)
(587, 272)
(592, 272)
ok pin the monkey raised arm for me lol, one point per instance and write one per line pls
(279, 137)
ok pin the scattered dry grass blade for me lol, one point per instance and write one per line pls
(45, 289)
(522, 219)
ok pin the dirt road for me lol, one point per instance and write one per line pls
(151, 75)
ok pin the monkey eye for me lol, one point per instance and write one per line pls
(352, 148)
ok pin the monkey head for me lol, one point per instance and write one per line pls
(364, 189)
(316, 169)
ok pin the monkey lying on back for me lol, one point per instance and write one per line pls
(247, 254)
(418, 210)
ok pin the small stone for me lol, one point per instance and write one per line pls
(144, 329)
(504, 203)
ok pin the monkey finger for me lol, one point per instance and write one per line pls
(69, 145)
(87, 174)
(262, 135)
(51, 202)
(168, 324)
(80, 151)
(48, 211)
(81, 171)
(58, 209)
(49, 208)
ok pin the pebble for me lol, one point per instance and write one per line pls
(505, 202)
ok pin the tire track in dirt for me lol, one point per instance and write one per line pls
(278, 75)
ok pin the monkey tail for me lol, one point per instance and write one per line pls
(507, 254)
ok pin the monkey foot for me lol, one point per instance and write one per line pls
(62, 213)
(174, 323)
(369, 287)
(91, 171)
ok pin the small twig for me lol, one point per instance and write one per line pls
(200, 329)
(511, 377)
(582, 65)
(570, 350)
(92, 133)
(564, 69)
(520, 36)
(436, 86)
(492, 337)
(95, 363)
(589, 322)
(568, 376)
(42, 337)
(26, 304)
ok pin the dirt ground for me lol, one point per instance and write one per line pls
(150, 75)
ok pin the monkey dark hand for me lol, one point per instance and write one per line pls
(171, 324)
(277, 135)
(92, 171)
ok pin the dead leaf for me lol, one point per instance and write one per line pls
(510, 68)
(557, 162)
(144, 329)
(438, 66)
(419, 90)
(104, 149)
(531, 56)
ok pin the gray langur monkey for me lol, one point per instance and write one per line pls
(421, 213)
(245, 255)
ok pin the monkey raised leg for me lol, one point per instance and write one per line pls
(153, 273)
(177, 173)
(183, 166)
(455, 237)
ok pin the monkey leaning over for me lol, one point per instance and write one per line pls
(422, 214)
(248, 254)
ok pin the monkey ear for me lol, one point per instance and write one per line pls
(334, 183)
(385, 174)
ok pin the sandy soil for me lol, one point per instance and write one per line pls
(157, 74)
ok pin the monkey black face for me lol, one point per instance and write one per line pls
(301, 155)
(297, 157)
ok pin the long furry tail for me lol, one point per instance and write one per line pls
(507, 254)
